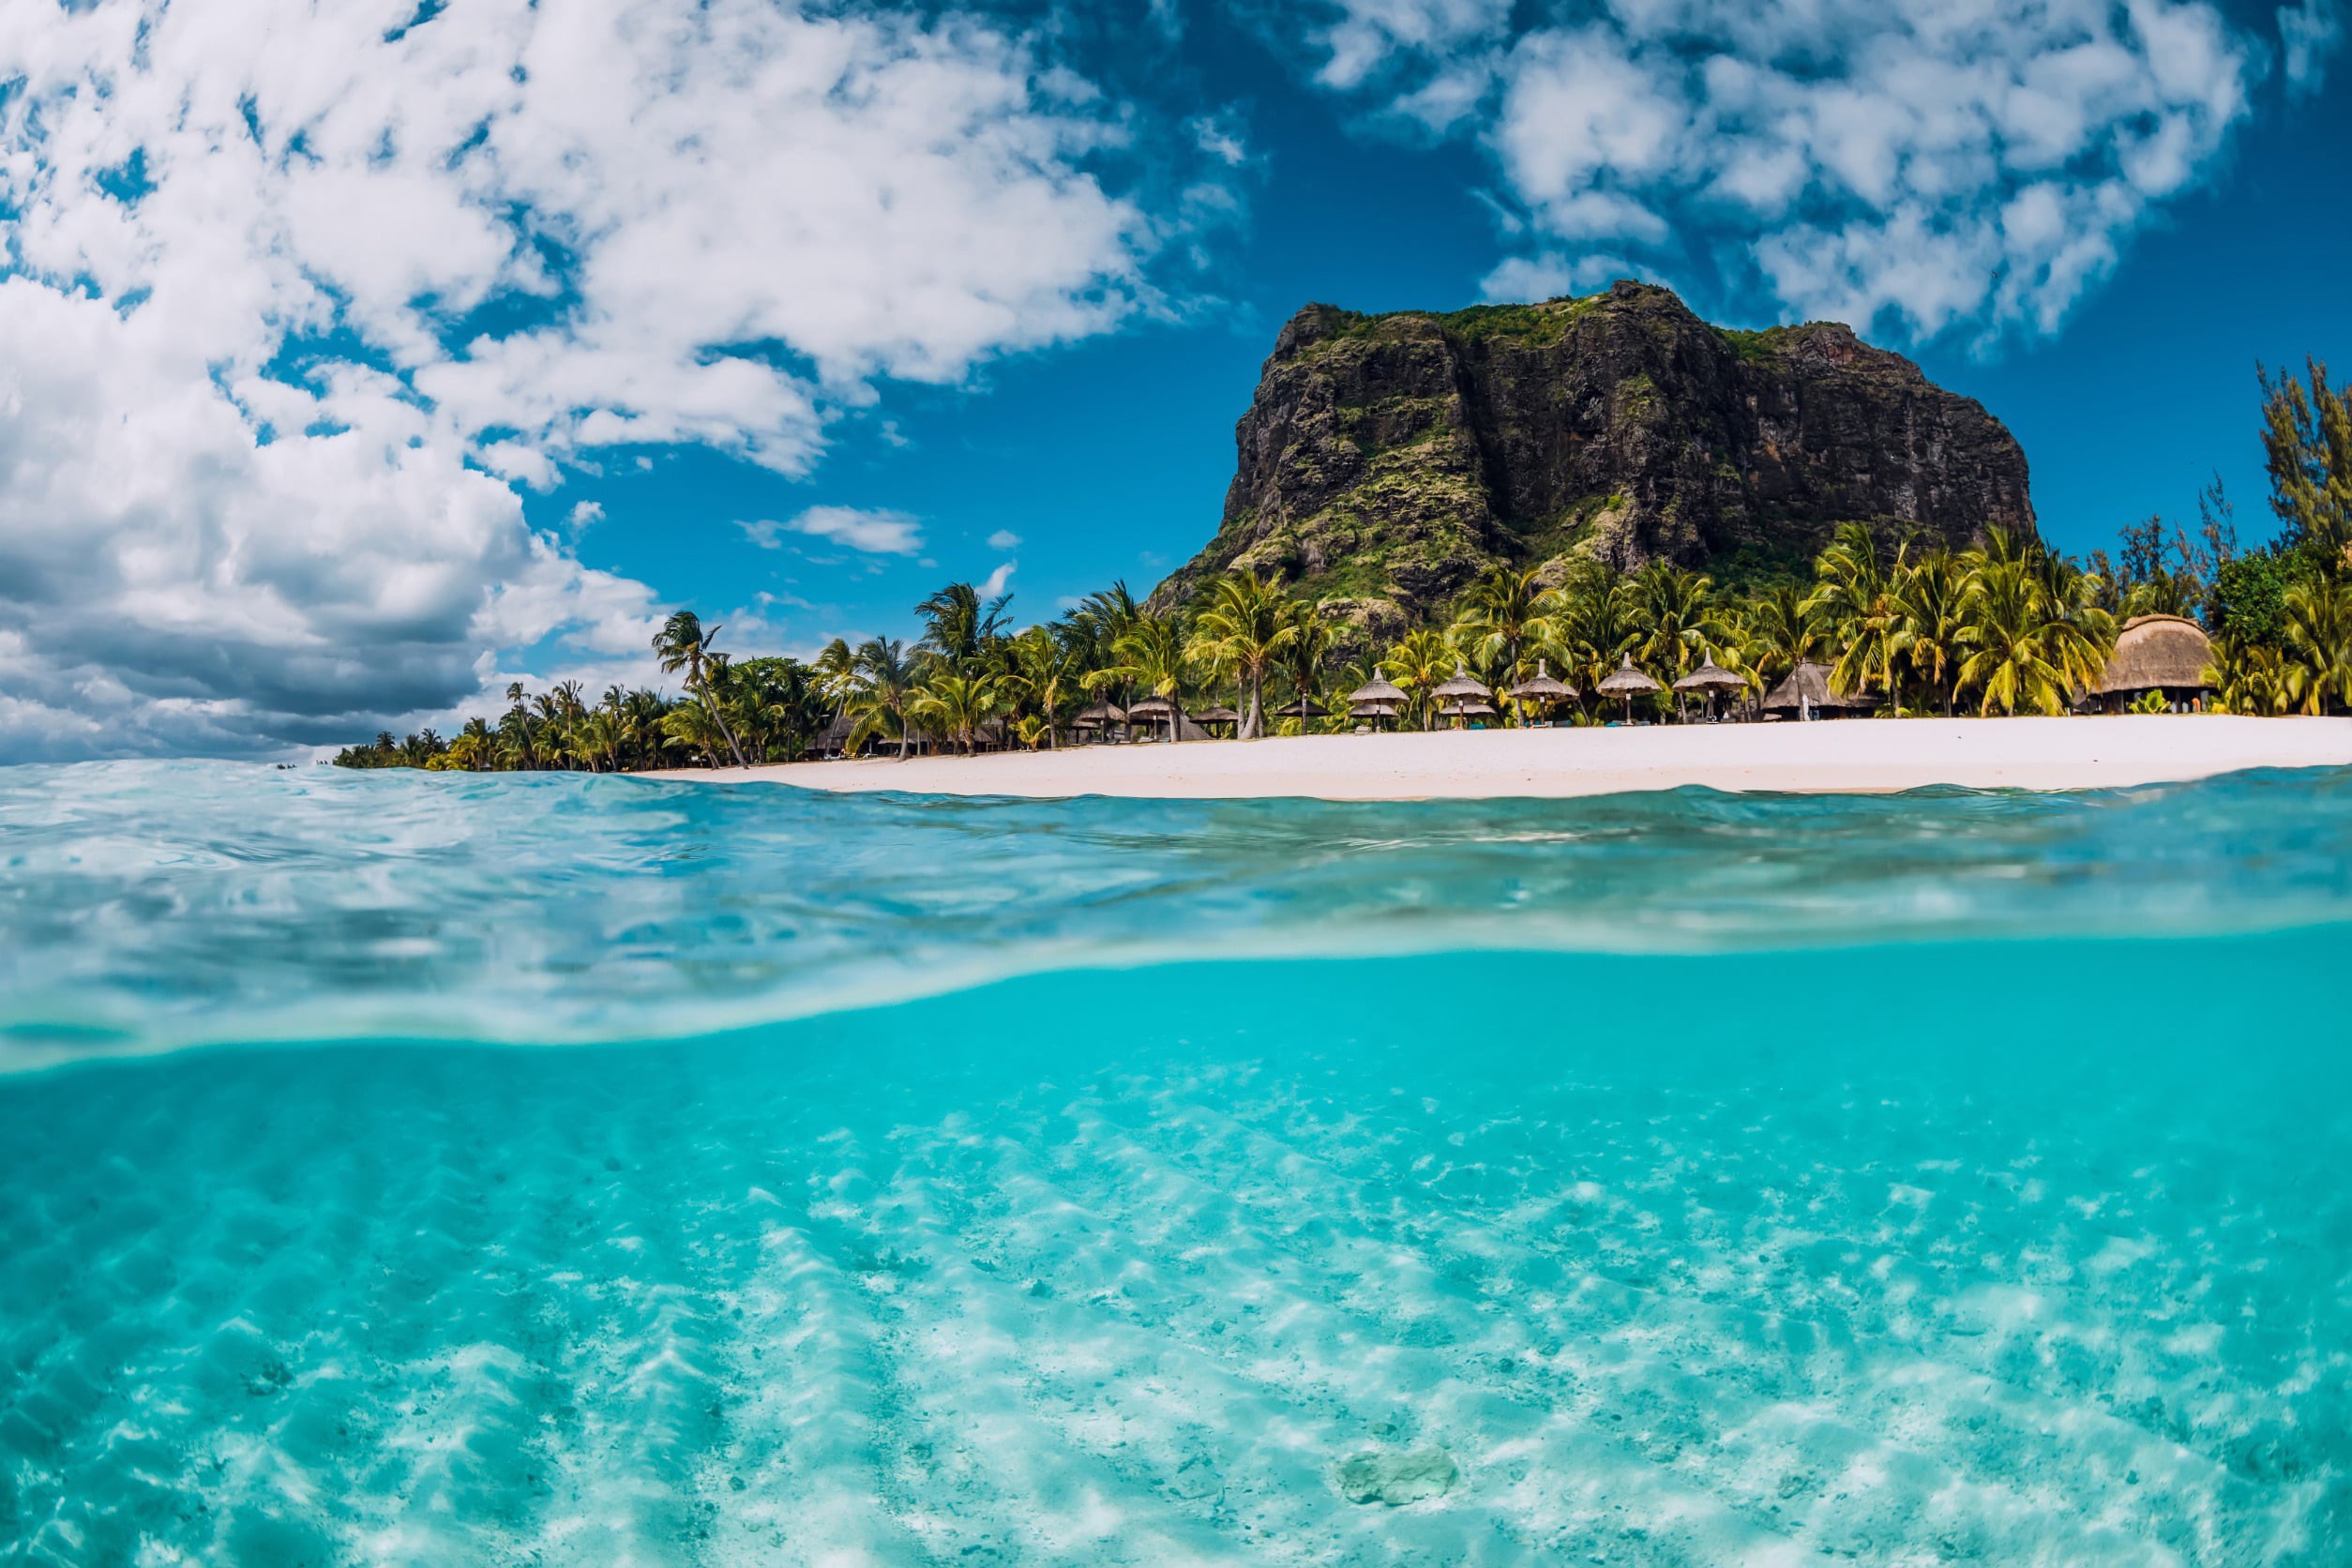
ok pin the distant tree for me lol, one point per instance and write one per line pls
(882, 693)
(683, 644)
(1245, 628)
(2307, 446)
(2249, 600)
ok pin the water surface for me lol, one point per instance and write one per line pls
(1938, 1178)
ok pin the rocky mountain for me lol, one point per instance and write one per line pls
(1388, 459)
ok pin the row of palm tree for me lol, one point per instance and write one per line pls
(748, 711)
(2010, 628)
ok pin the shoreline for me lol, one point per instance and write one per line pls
(1853, 756)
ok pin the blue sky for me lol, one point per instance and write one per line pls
(1109, 458)
(360, 361)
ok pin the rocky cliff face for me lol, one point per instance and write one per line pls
(1387, 461)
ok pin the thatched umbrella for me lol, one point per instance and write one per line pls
(1629, 683)
(1711, 678)
(1467, 710)
(1377, 698)
(1154, 710)
(1543, 687)
(1808, 686)
(1097, 716)
(1460, 689)
(1303, 710)
(1216, 715)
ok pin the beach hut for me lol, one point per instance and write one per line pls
(1628, 682)
(2168, 655)
(1543, 688)
(1454, 696)
(1709, 680)
(1807, 691)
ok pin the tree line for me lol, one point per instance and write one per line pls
(2007, 628)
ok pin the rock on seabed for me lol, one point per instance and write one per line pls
(1395, 1479)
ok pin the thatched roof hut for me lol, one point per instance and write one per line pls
(2167, 653)
(1098, 715)
(1809, 683)
(1216, 715)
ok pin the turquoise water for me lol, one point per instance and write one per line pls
(443, 1170)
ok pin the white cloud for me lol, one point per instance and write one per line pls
(998, 580)
(264, 417)
(586, 514)
(876, 533)
(1219, 141)
(2309, 33)
(1911, 163)
(1004, 539)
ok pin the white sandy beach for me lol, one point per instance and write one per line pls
(1847, 756)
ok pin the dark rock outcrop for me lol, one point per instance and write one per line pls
(1386, 461)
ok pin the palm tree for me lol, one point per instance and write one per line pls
(2319, 632)
(883, 694)
(1857, 596)
(1784, 629)
(696, 727)
(480, 745)
(1049, 674)
(957, 628)
(959, 705)
(2010, 628)
(835, 672)
(1593, 626)
(684, 645)
(599, 736)
(2251, 677)
(1151, 653)
(1305, 656)
(1420, 664)
(1674, 613)
(1504, 614)
(1245, 627)
(1931, 599)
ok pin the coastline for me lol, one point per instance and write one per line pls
(1860, 756)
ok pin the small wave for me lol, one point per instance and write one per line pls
(153, 905)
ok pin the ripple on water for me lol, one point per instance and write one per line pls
(146, 905)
